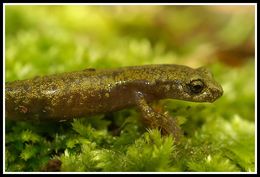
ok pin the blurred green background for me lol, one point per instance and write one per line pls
(42, 40)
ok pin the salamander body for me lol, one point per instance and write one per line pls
(92, 91)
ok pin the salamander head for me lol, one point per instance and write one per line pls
(196, 85)
(202, 87)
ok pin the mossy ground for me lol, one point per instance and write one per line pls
(43, 40)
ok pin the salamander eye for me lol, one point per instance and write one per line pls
(196, 86)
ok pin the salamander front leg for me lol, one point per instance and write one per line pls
(152, 119)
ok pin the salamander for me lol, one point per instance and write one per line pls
(93, 91)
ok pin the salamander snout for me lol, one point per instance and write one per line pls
(216, 92)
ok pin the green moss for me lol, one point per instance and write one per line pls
(217, 137)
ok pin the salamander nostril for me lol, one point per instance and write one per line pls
(216, 92)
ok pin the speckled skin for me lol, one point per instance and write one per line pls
(91, 91)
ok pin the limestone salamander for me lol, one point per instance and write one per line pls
(93, 91)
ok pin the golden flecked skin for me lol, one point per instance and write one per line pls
(91, 91)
